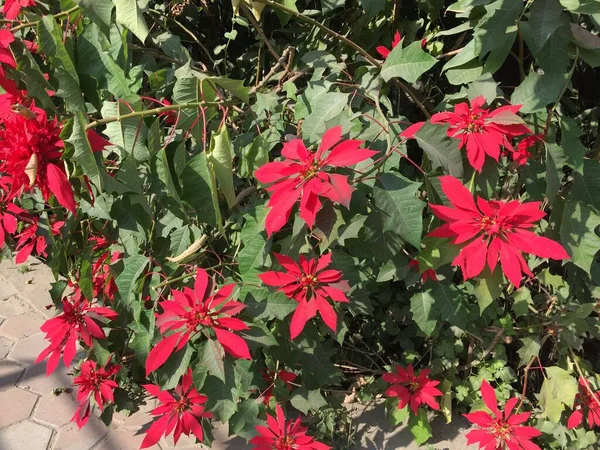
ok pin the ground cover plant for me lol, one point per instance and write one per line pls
(260, 211)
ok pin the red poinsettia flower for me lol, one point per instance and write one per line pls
(30, 151)
(521, 155)
(412, 389)
(310, 283)
(482, 131)
(12, 8)
(11, 97)
(496, 230)
(429, 274)
(193, 311)
(281, 434)
(584, 400)
(97, 382)
(302, 176)
(6, 55)
(8, 212)
(497, 430)
(97, 141)
(77, 321)
(384, 51)
(270, 376)
(180, 414)
(28, 241)
(102, 279)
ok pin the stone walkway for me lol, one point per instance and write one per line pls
(33, 417)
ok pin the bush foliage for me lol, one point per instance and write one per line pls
(265, 208)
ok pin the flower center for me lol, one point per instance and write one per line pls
(196, 318)
(310, 171)
(414, 385)
(494, 226)
(474, 123)
(308, 281)
(501, 431)
(284, 443)
(182, 405)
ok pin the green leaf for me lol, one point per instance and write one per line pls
(130, 15)
(586, 187)
(545, 18)
(581, 6)
(372, 7)
(440, 149)
(330, 5)
(488, 289)
(324, 107)
(522, 300)
(396, 415)
(395, 269)
(243, 422)
(578, 235)
(408, 63)
(174, 368)
(199, 190)
(126, 281)
(222, 398)
(419, 427)
(99, 12)
(188, 89)
(537, 91)
(51, 43)
(235, 87)
(570, 139)
(220, 158)
(559, 390)
(425, 314)
(83, 154)
(304, 400)
(531, 348)
(450, 303)
(555, 159)
(268, 305)
(402, 210)
(129, 134)
(211, 356)
(180, 240)
(256, 246)
(465, 73)
(85, 278)
(498, 29)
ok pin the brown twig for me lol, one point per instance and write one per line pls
(260, 32)
(485, 353)
(273, 70)
(526, 375)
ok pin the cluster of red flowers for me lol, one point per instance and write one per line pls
(498, 431)
(483, 132)
(494, 230)
(192, 312)
(97, 383)
(588, 401)
(412, 389)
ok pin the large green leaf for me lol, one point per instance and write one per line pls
(372, 7)
(220, 158)
(129, 134)
(51, 43)
(578, 235)
(243, 422)
(537, 91)
(531, 348)
(256, 246)
(99, 11)
(581, 6)
(324, 107)
(545, 18)
(425, 314)
(199, 190)
(83, 154)
(408, 63)
(498, 27)
(130, 15)
(559, 390)
(571, 140)
(211, 356)
(419, 426)
(402, 211)
(126, 281)
(304, 400)
(440, 149)
(451, 305)
(586, 187)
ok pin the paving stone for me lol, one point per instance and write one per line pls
(14, 305)
(72, 438)
(27, 350)
(25, 435)
(9, 374)
(6, 289)
(137, 419)
(5, 346)
(21, 404)
(35, 379)
(55, 410)
(34, 284)
(123, 440)
(22, 326)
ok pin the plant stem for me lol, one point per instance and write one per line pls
(154, 111)
(301, 17)
(35, 23)
(260, 32)
(568, 80)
